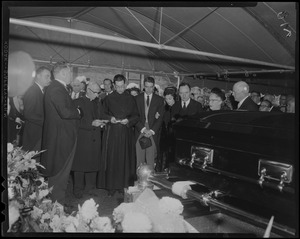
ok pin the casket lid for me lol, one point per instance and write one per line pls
(259, 124)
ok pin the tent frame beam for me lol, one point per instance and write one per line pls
(241, 72)
(85, 11)
(141, 24)
(189, 27)
(141, 43)
(139, 71)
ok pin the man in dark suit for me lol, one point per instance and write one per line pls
(241, 94)
(88, 151)
(108, 88)
(78, 87)
(59, 132)
(34, 110)
(186, 106)
(151, 110)
(15, 120)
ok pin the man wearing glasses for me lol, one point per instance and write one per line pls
(88, 151)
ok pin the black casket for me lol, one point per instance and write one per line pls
(244, 167)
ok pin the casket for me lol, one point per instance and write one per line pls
(243, 164)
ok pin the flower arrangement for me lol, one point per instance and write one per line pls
(52, 218)
(30, 210)
(26, 187)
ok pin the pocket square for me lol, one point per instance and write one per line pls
(157, 115)
(145, 142)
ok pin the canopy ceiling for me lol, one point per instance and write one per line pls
(210, 41)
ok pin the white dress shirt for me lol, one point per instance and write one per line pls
(186, 103)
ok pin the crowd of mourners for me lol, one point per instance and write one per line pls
(102, 133)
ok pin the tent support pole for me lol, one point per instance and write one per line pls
(178, 82)
(141, 43)
(160, 23)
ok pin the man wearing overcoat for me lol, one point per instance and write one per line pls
(59, 132)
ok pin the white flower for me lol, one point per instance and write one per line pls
(68, 224)
(32, 196)
(46, 201)
(56, 223)
(170, 205)
(136, 222)
(29, 155)
(13, 214)
(43, 193)
(57, 209)
(88, 210)
(10, 147)
(102, 224)
(121, 210)
(25, 183)
(36, 213)
(43, 183)
(73, 220)
(70, 228)
(45, 217)
(11, 193)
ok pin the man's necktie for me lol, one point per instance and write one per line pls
(184, 105)
(147, 102)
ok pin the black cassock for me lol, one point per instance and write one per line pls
(117, 167)
(88, 149)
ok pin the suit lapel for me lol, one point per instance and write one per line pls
(189, 107)
(151, 105)
(142, 104)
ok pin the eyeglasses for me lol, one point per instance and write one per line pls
(214, 100)
(97, 93)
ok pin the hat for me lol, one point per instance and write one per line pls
(81, 79)
(131, 85)
(145, 142)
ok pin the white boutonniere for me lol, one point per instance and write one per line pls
(157, 115)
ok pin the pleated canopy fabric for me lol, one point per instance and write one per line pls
(214, 41)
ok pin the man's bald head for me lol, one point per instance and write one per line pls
(94, 86)
(240, 90)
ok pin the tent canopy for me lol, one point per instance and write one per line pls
(212, 41)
